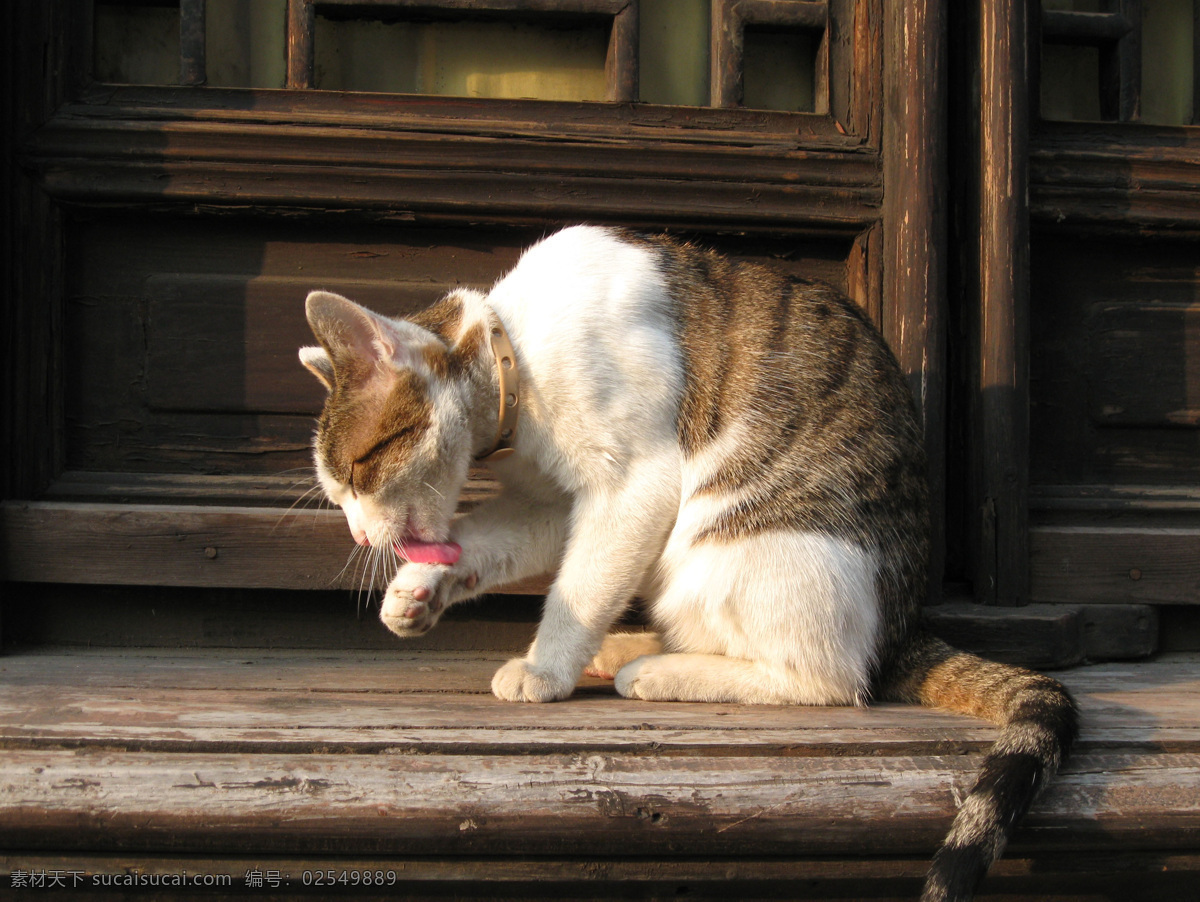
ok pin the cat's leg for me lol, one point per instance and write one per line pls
(507, 538)
(718, 678)
(618, 649)
(774, 618)
(617, 533)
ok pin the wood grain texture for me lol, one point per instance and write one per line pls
(914, 228)
(180, 546)
(292, 755)
(1116, 565)
(1001, 390)
(509, 162)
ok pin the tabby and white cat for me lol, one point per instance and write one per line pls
(735, 447)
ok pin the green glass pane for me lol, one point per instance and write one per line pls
(137, 45)
(246, 43)
(673, 50)
(779, 69)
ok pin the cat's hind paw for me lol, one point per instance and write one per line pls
(661, 678)
(618, 650)
(518, 681)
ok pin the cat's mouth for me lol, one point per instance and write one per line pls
(419, 551)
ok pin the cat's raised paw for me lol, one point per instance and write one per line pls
(517, 681)
(416, 598)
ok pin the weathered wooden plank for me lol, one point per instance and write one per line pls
(1023, 875)
(301, 701)
(228, 490)
(386, 171)
(1000, 459)
(466, 718)
(592, 804)
(1048, 636)
(1116, 564)
(914, 227)
(182, 546)
(450, 116)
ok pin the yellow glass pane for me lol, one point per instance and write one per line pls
(466, 59)
(1079, 6)
(137, 45)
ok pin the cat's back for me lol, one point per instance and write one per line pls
(792, 402)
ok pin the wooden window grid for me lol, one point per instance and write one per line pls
(621, 64)
(730, 19)
(1117, 35)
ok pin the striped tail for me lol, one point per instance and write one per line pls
(1038, 721)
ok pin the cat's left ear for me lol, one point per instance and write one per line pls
(359, 340)
(319, 364)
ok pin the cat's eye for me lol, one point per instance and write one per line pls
(353, 491)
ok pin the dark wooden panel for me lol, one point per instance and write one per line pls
(182, 335)
(182, 546)
(1113, 564)
(1115, 362)
(1036, 636)
(1027, 875)
(1096, 179)
(224, 344)
(1144, 364)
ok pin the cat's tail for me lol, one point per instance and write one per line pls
(1038, 721)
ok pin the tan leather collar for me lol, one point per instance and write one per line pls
(510, 394)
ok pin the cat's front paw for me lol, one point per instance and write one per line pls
(518, 681)
(418, 595)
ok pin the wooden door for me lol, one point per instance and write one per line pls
(163, 235)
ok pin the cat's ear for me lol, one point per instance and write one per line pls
(318, 362)
(353, 336)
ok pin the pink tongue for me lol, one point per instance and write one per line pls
(429, 552)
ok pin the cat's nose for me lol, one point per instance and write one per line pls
(360, 537)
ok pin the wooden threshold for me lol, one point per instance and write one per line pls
(226, 762)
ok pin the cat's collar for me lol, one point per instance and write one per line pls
(510, 394)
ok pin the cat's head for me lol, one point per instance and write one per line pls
(392, 446)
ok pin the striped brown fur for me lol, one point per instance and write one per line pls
(837, 450)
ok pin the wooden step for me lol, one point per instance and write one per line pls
(226, 761)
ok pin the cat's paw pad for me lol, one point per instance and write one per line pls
(618, 650)
(416, 598)
(517, 681)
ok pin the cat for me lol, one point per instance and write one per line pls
(736, 447)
